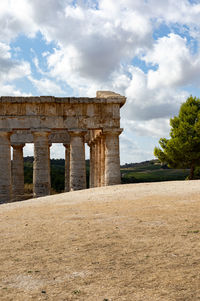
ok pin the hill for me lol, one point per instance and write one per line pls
(151, 171)
(147, 171)
(127, 242)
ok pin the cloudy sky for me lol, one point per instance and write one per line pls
(147, 50)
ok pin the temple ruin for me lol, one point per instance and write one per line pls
(68, 120)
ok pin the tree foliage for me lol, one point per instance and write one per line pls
(57, 173)
(182, 150)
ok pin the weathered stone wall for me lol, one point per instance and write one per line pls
(60, 113)
(72, 121)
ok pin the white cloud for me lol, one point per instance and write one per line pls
(74, 12)
(130, 149)
(16, 17)
(28, 150)
(153, 128)
(95, 50)
(5, 51)
(100, 57)
(10, 90)
(57, 151)
(46, 86)
(18, 70)
(11, 70)
(93, 43)
(144, 103)
(180, 11)
(176, 64)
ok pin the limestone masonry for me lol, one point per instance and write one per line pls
(72, 121)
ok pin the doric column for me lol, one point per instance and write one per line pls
(99, 161)
(41, 165)
(112, 159)
(92, 163)
(49, 161)
(77, 160)
(17, 171)
(95, 163)
(102, 160)
(5, 167)
(67, 167)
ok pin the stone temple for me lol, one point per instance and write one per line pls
(68, 120)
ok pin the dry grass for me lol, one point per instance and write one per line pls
(130, 242)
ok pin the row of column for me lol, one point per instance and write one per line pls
(12, 177)
(104, 163)
(105, 159)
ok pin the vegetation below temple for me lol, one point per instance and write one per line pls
(148, 171)
(57, 173)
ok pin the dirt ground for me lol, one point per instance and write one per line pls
(136, 242)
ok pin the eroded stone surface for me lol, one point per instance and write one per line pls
(41, 166)
(68, 120)
(77, 161)
(17, 171)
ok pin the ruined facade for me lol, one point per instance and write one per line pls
(72, 121)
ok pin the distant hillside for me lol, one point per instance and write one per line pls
(151, 171)
(140, 164)
(147, 171)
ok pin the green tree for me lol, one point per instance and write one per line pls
(182, 150)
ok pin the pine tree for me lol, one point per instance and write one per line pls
(182, 150)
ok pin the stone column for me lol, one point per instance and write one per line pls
(67, 167)
(95, 163)
(41, 166)
(77, 160)
(99, 161)
(92, 163)
(5, 167)
(102, 160)
(17, 171)
(112, 159)
(49, 161)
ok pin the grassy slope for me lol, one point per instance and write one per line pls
(151, 171)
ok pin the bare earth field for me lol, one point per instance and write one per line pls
(128, 242)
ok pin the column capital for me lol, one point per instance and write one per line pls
(98, 137)
(91, 143)
(77, 132)
(110, 131)
(66, 145)
(6, 132)
(41, 132)
(18, 145)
